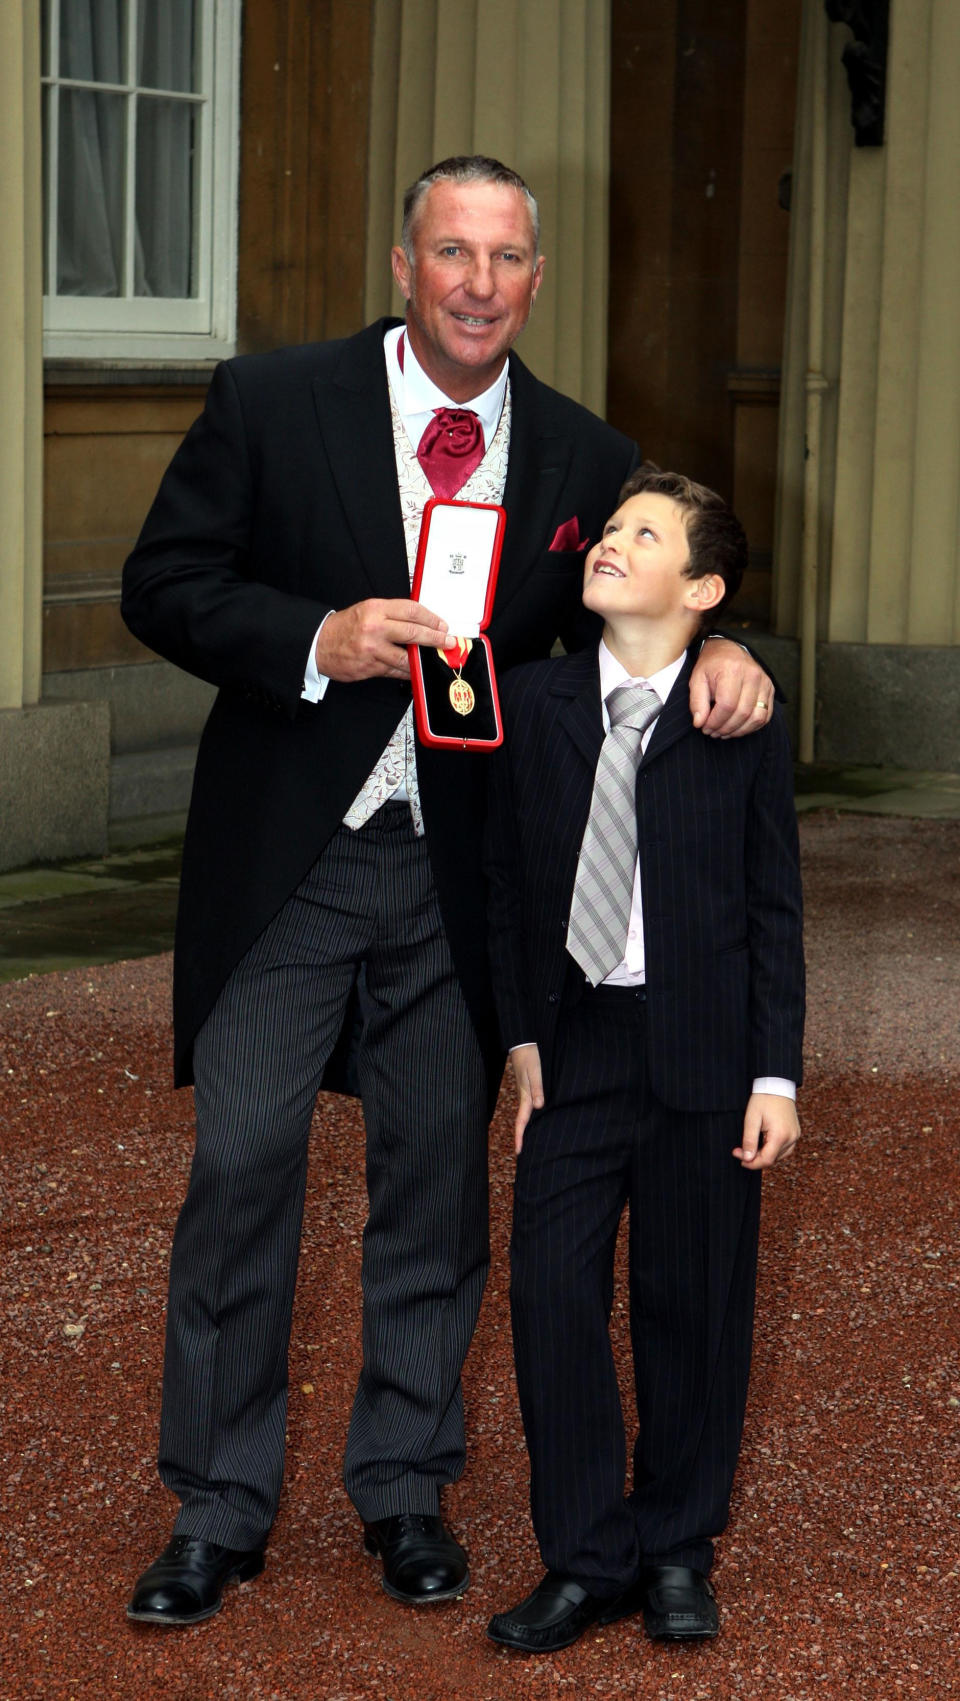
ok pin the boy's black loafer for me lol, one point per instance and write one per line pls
(678, 1603)
(187, 1582)
(559, 1610)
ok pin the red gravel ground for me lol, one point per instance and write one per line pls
(838, 1574)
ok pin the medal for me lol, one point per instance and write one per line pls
(462, 698)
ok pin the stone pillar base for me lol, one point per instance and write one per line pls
(897, 705)
(54, 782)
(878, 705)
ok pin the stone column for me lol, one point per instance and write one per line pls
(21, 360)
(54, 758)
(525, 81)
(886, 499)
(933, 590)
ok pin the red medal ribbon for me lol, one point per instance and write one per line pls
(457, 653)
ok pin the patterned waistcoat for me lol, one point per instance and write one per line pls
(398, 764)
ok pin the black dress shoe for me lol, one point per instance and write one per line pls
(559, 1610)
(186, 1583)
(421, 1561)
(678, 1603)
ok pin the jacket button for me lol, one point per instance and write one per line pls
(553, 998)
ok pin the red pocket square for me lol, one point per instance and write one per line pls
(568, 536)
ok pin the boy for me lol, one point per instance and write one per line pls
(646, 948)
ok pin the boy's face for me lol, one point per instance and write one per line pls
(638, 566)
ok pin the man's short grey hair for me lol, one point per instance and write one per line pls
(464, 168)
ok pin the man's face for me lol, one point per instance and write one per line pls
(638, 566)
(473, 281)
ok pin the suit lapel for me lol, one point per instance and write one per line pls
(675, 719)
(353, 413)
(540, 453)
(577, 680)
(575, 687)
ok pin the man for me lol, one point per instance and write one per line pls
(327, 855)
(648, 965)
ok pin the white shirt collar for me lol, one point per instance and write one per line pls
(613, 672)
(417, 396)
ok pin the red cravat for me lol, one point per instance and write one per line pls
(451, 449)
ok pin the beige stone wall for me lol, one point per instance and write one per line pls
(526, 81)
(21, 371)
(105, 451)
(53, 757)
(867, 535)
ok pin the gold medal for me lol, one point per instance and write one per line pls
(462, 698)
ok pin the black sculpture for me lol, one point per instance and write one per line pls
(865, 61)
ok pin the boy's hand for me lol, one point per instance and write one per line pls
(740, 693)
(770, 1131)
(526, 1073)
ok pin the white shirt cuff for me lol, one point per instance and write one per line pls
(314, 682)
(776, 1084)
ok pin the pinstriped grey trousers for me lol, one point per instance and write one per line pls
(368, 904)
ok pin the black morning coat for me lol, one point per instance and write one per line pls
(720, 884)
(280, 505)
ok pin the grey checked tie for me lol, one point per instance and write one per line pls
(603, 889)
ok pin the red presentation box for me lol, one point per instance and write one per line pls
(455, 700)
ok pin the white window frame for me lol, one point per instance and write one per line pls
(147, 330)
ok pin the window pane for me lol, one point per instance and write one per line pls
(164, 248)
(90, 210)
(166, 57)
(91, 40)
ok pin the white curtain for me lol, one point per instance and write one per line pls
(166, 142)
(90, 211)
(93, 131)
